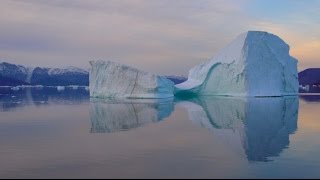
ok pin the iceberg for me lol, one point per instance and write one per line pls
(74, 87)
(255, 64)
(113, 80)
(60, 88)
(15, 88)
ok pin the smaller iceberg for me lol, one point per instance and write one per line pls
(60, 88)
(15, 88)
(74, 87)
(112, 80)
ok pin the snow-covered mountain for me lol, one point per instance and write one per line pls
(13, 71)
(44, 76)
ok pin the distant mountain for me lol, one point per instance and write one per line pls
(4, 81)
(310, 77)
(177, 79)
(43, 76)
(59, 77)
(13, 71)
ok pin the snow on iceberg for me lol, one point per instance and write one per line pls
(113, 80)
(255, 64)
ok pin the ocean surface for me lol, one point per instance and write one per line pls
(46, 133)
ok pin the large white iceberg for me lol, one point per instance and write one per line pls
(113, 80)
(255, 64)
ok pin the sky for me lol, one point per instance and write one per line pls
(160, 36)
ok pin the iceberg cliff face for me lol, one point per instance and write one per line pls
(112, 80)
(255, 64)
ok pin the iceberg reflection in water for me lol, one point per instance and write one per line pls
(112, 116)
(257, 128)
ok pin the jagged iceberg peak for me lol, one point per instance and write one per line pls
(255, 64)
(113, 80)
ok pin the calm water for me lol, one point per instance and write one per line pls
(52, 134)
